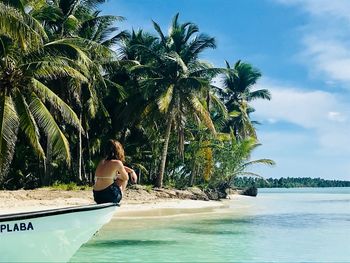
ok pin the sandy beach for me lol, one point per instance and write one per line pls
(136, 202)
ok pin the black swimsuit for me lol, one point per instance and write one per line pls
(111, 194)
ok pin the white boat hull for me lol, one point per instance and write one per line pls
(52, 235)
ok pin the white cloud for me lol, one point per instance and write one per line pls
(336, 116)
(338, 8)
(308, 109)
(320, 146)
(324, 114)
(325, 39)
(329, 59)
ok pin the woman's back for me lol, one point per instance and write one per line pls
(106, 173)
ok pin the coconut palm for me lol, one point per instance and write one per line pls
(27, 64)
(233, 159)
(237, 92)
(101, 31)
(77, 26)
(174, 79)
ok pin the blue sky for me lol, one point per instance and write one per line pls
(302, 48)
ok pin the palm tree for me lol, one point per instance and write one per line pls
(174, 80)
(76, 26)
(237, 93)
(101, 31)
(27, 64)
(233, 159)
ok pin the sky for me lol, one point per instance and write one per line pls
(302, 48)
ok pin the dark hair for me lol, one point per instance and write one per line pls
(114, 151)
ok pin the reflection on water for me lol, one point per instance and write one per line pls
(128, 242)
(278, 226)
(201, 231)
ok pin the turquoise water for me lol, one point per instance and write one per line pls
(280, 225)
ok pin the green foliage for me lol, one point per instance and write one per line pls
(237, 93)
(70, 81)
(288, 182)
(233, 160)
(149, 188)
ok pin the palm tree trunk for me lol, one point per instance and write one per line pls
(48, 160)
(89, 154)
(80, 151)
(208, 101)
(193, 174)
(41, 170)
(2, 112)
(235, 132)
(159, 180)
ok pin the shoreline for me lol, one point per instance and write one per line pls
(135, 203)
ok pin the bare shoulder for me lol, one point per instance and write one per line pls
(116, 163)
(100, 164)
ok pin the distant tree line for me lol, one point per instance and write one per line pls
(288, 182)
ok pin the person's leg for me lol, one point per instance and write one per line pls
(102, 196)
(116, 193)
(122, 184)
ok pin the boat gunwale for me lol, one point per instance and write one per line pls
(53, 212)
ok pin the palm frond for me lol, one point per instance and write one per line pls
(191, 29)
(165, 99)
(116, 39)
(193, 84)
(92, 3)
(46, 94)
(69, 47)
(259, 94)
(175, 23)
(218, 105)
(54, 134)
(210, 72)
(259, 161)
(28, 125)
(20, 27)
(175, 56)
(18, 4)
(160, 33)
(9, 123)
(203, 114)
(120, 89)
(52, 67)
(243, 173)
(199, 44)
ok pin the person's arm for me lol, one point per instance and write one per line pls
(122, 173)
(132, 174)
(128, 169)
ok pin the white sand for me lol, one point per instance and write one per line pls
(43, 199)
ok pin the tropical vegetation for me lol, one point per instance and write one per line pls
(70, 80)
(288, 182)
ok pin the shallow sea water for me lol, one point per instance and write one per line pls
(280, 225)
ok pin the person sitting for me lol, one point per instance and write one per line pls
(111, 175)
